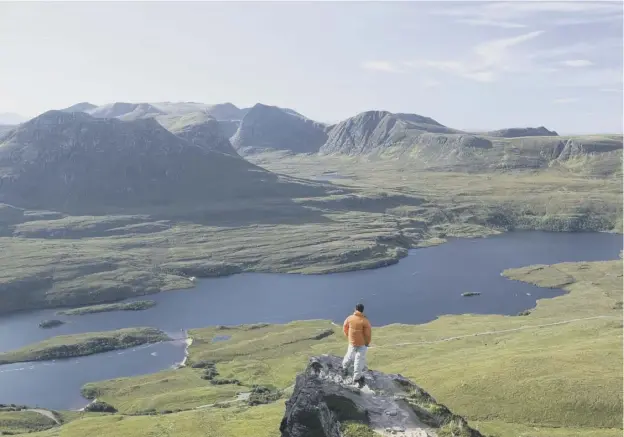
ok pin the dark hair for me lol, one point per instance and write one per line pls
(359, 307)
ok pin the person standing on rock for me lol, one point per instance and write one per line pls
(357, 329)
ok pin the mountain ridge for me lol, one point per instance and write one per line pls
(76, 162)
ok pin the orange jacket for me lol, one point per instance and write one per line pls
(358, 329)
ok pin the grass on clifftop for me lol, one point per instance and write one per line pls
(76, 345)
(530, 376)
(130, 306)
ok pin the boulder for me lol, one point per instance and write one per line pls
(324, 402)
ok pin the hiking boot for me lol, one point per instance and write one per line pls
(360, 382)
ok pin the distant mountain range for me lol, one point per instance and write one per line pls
(74, 162)
(233, 131)
(263, 127)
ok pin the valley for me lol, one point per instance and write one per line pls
(232, 219)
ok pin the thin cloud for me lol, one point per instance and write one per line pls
(577, 63)
(566, 100)
(489, 59)
(431, 83)
(490, 23)
(385, 66)
(572, 49)
(555, 13)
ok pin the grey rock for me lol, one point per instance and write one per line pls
(322, 398)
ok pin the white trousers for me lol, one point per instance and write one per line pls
(357, 356)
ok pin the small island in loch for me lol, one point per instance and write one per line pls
(138, 305)
(77, 345)
(46, 324)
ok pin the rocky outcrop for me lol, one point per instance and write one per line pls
(515, 132)
(100, 407)
(272, 128)
(323, 402)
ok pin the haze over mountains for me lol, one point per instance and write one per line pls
(157, 154)
(426, 142)
(10, 118)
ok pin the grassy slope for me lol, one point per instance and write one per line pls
(17, 422)
(75, 345)
(559, 380)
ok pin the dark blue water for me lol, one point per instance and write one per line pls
(426, 284)
(56, 384)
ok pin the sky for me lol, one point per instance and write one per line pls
(469, 65)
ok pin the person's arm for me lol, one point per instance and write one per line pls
(368, 335)
(345, 327)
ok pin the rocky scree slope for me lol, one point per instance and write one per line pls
(323, 402)
(73, 162)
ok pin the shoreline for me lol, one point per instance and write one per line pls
(336, 269)
(189, 342)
